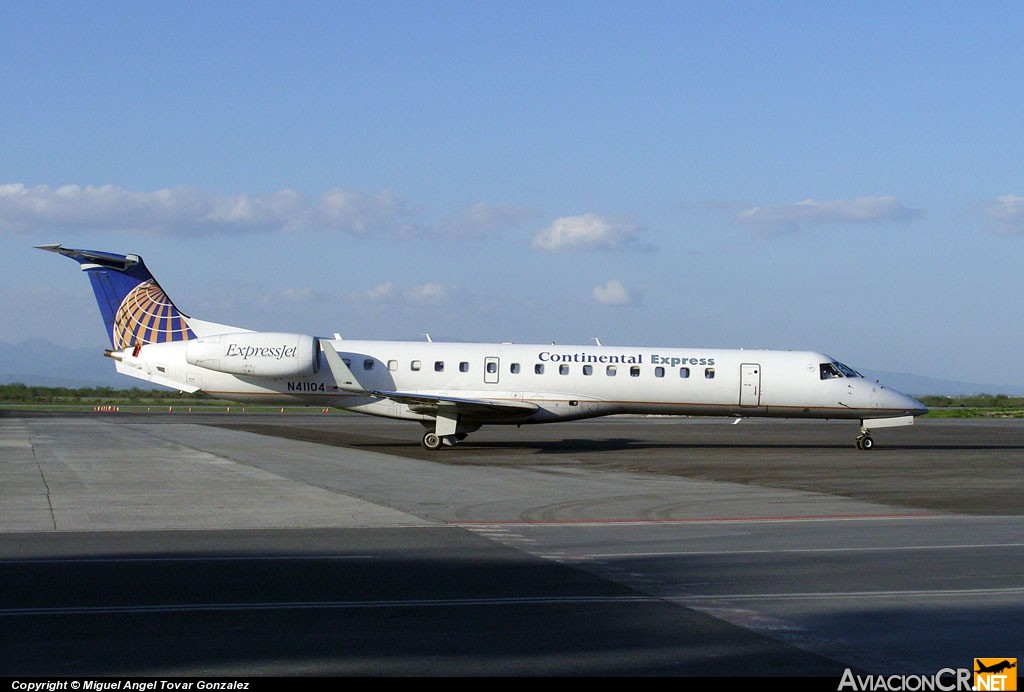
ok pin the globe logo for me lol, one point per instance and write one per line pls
(147, 316)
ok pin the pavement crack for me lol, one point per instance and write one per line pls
(42, 476)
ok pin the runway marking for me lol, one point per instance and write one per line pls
(847, 595)
(685, 599)
(201, 558)
(762, 551)
(482, 525)
(313, 605)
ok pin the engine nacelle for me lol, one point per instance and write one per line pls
(257, 354)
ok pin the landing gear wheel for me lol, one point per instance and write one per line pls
(865, 442)
(431, 441)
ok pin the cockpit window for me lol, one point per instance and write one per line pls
(836, 369)
(846, 370)
(828, 371)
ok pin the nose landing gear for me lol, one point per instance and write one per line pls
(864, 441)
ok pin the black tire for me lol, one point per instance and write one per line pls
(431, 441)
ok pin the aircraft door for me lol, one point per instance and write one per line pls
(491, 370)
(750, 384)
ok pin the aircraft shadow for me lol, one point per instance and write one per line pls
(570, 445)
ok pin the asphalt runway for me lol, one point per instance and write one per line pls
(244, 545)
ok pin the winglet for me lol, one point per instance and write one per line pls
(343, 376)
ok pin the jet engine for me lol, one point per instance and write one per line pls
(256, 354)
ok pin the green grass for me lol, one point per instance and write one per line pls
(974, 406)
(20, 397)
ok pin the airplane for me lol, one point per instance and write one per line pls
(453, 389)
(995, 667)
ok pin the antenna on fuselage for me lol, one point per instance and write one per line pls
(596, 340)
(429, 340)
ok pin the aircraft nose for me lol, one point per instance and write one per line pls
(910, 405)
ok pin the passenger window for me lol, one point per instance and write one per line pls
(634, 371)
(415, 365)
(368, 364)
(514, 368)
(709, 373)
(463, 366)
(563, 369)
(588, 369)
(538, 369)
(610, 371)
(392, 365)
(684, 372)
(347, 362)
(659, 371)
(438, 366)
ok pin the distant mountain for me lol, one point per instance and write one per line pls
(918, 385)
(39, 362)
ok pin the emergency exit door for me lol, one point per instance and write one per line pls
(750, 384)
(491, 365)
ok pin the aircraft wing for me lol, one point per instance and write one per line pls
(429, 404)
(477, 409)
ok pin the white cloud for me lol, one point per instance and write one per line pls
(1007, 212)
(484, 219)
(183, 210)
(291, 296)
(811, 212)
(427, 294)
(297, 295)
(379, 293)
(357, 212)
(586, 232)
(612, 293)
(389, 296)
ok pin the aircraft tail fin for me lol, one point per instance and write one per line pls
(134, 307)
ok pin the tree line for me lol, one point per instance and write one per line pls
(33, 394)
(986, 401)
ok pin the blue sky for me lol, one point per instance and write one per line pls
(843, 177)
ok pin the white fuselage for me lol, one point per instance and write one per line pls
(564, 382)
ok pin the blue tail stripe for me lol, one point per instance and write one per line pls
(106, 297)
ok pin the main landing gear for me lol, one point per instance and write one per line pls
(433, 441)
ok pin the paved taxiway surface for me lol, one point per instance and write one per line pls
(211, 544)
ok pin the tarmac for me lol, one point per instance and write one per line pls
(335, 545)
